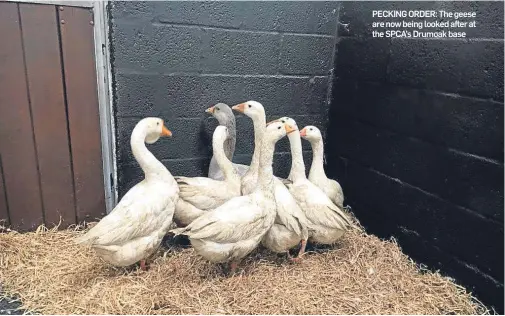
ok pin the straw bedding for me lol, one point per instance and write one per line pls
(360, 275)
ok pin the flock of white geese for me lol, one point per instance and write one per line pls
(236, 208)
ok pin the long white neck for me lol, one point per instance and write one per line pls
(151, 166)
(265, 174)
(222, 160)
(229, 143)
(317, 167)
(259, 131)
(297, 166)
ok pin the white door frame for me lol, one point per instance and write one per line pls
(104, 87)
(105, 101)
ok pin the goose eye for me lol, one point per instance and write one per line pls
(157, 123)
(311, 129)
(217, 109)
(279, 127)
(250, 106)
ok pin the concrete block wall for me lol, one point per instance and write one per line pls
(175, 59)
(416, 134)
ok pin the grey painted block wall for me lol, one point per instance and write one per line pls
(175, 59)
(424, 160)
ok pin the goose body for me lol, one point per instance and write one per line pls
(316, 174)
(200, 194)
(134, 229)
(290, 226)
(216, 173)
(225, 117)
(234, 229)
(328, 222)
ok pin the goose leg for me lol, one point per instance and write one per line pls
(293, 259)
(233, 267)
(143, 265)
(302, 248)
(300, 253)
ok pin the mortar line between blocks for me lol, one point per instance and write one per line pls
(430, 91)
(412, 137)
(127, 71)
(237, 30)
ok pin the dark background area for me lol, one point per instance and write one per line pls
(414, 131)
(415, 137)
(175, 59)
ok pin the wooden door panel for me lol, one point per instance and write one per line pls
(16, 135)
(45, 85)
(83, 114)
(50, 144)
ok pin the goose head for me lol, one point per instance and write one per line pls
(221, 112)
(276, 130)
(153, 128)
(253, 109)
(311, 133)
(287, 120)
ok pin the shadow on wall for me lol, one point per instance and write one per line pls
(416, 134)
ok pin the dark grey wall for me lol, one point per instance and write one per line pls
(416, 128)
(175, 59)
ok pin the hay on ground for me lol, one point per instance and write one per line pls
(360, 275)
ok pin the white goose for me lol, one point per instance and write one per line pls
(328, 221)
(200, 194)
(291, 225)
(316, 174)
(234, 229)
(134, 229)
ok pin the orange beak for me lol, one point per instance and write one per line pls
(289, 128)
(239, 107)
(272, 122)
(303, 132)
(210, 110)
(165, 131)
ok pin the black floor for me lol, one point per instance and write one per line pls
(10, 307)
